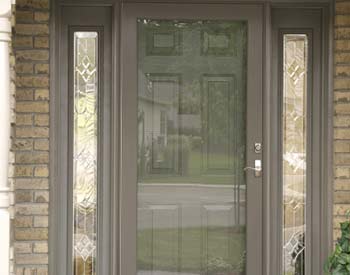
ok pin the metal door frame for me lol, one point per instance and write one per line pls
(115, 215)
(128, 188)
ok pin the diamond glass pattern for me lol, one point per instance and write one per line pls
(85, 152)
(294, 152)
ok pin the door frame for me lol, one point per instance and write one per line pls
(312, 21)
(112, 243)
(128, 165)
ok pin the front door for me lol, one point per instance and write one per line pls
(191, 185)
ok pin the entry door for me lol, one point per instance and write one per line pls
(191, 189)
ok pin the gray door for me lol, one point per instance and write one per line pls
(191, 124)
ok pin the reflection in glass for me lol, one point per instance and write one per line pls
(191, 147)
(85, 153)
(294, 152)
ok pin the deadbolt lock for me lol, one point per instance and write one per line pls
(257, 147)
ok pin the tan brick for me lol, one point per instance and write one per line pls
(32, 259)
(29, 271)
(41, 16)
(342, 146)
(34, 107)
(342, 83)
(342, 197)
(29, 234)
(32, 55)
(40, 247)
(342, 58)
(24, 16)
(32, 132)
(24, 94)
(23, 221)
(342, 108)
(33, 4)
(31, 184)
(22, 196)
(41, 221)
(342, 20)
(32, 81)
(22, 247)
(342, 33)
(19, 270)
(342, 45)
(342, 172)
(23, 42)
(32, 209)
(342, 121)
(42, 271)
(342, 184)
(41, 196)
(342, 133)
(342, 70)
(42, 145)
(341, 209)
(24, 120)
(32, 157)
(24, 68)
(41, 120)
(42, 69)
(41, 42)
(32, 29)
(342, 97)
(23, 171)
(22, 144)
(342, 159)
(342, 8)
(41, 171)
(41, 94)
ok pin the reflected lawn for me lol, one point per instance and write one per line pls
(195, 172)
(215, 250)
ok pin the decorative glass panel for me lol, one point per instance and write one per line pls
(191, 147)
(294, 152)
(85, 152)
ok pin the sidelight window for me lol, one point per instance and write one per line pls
(295, 56)
(85, 153)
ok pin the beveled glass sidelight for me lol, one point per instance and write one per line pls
(85, 128)
(295, 63)
(191, 147)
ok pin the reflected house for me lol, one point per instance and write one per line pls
(158, 115)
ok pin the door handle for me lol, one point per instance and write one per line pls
(257, 168)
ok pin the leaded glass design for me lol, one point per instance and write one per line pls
(294, 152)
(85, 152)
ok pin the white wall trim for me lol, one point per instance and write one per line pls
(5, 38)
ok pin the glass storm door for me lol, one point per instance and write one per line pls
(191, 129)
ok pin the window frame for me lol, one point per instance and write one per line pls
(61, 139)
(310, 21)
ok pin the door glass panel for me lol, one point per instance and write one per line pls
(294, 152)
(191, 147)
(85, 152)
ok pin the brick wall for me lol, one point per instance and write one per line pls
(31, 137)
(341, 114)
(31, 131)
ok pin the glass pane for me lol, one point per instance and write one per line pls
(294, 152)
(85, 152)
(191, 147)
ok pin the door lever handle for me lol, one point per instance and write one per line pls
(257, 168)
